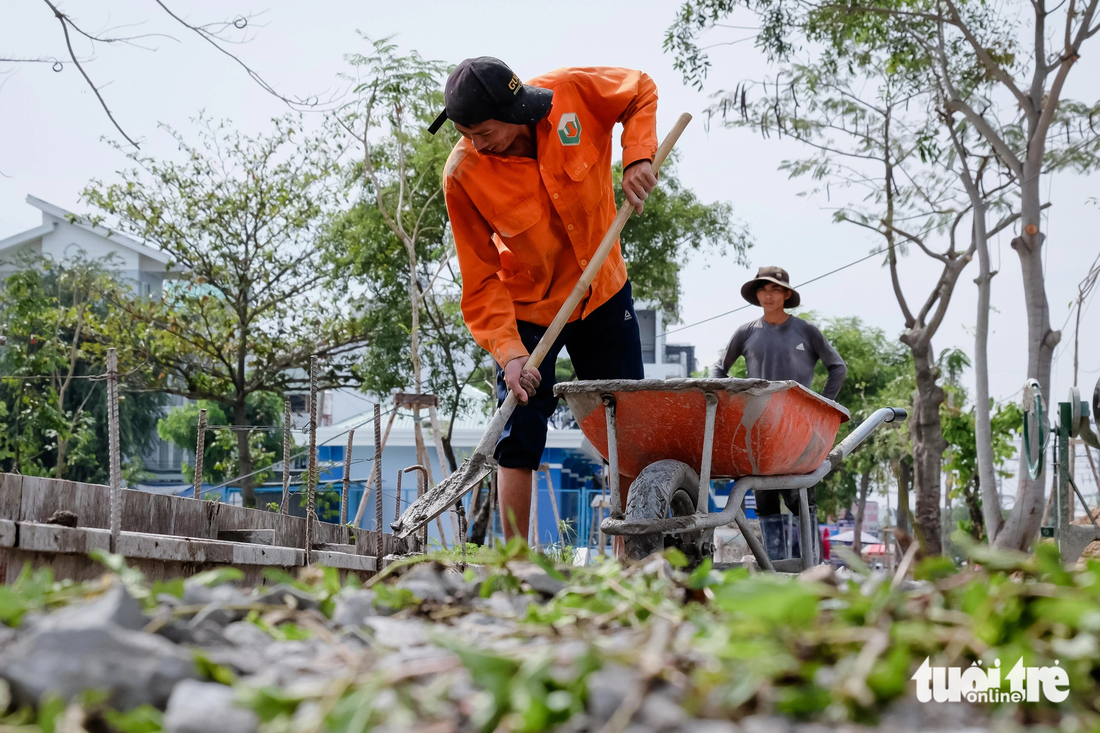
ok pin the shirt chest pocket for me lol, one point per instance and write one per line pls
(518, 219)
(580, 165)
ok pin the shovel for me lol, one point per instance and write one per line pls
(475, 468)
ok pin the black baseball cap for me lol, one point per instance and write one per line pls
(484, 88)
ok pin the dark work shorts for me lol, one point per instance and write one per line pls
(605, 345)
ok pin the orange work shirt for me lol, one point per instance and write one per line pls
(525, 228)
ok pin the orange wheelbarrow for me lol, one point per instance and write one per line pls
(673, 436)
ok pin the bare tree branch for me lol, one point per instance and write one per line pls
(994, 68)
(917, 241)
(65, 23)
(213, 39)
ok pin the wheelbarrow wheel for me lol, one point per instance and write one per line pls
(665, 489)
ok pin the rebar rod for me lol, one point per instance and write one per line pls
(112, 432)
(200, 453)
(311, 480)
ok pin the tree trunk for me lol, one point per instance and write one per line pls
(905, 482)
(63, 443)
(975, 506)
(945, 517)
(983, 430)
(244, 455)
(928, 448)
(861, 505)
(1026, 516)
(16, 461)
(62, 452)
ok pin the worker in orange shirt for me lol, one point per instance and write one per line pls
(529, 196)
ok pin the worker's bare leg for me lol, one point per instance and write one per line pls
(514, 485)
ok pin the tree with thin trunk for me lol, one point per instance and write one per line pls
(861, 508)
(395, 242)
(1018, 134)
(240, 216)
(872, 137)
(964, 446)
(989, 64)
(992, 517)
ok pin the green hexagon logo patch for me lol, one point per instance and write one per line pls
(569, 129)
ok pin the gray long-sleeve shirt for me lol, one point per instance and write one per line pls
(787, 351)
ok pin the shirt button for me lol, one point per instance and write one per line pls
(555, 195)
(584, 263)
(540, 166)
(570, 227)
(586, 165)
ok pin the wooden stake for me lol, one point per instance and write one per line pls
(347, 481)
(421, 487)
(113, 447)
(200, 453)
(284, 506)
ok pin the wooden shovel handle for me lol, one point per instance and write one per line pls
(504, 412)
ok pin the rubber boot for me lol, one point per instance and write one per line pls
(772, 530)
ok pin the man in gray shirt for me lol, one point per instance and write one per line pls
(779, 346)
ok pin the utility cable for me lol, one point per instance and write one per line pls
(800, 285)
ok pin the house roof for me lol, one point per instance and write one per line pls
(28, 236)
(85, 223)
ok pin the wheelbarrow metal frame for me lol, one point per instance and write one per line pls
(616, 525)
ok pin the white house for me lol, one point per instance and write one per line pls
(64, 235)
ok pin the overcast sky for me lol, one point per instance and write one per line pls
(51, 126)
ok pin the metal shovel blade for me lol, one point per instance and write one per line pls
(443, 496)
